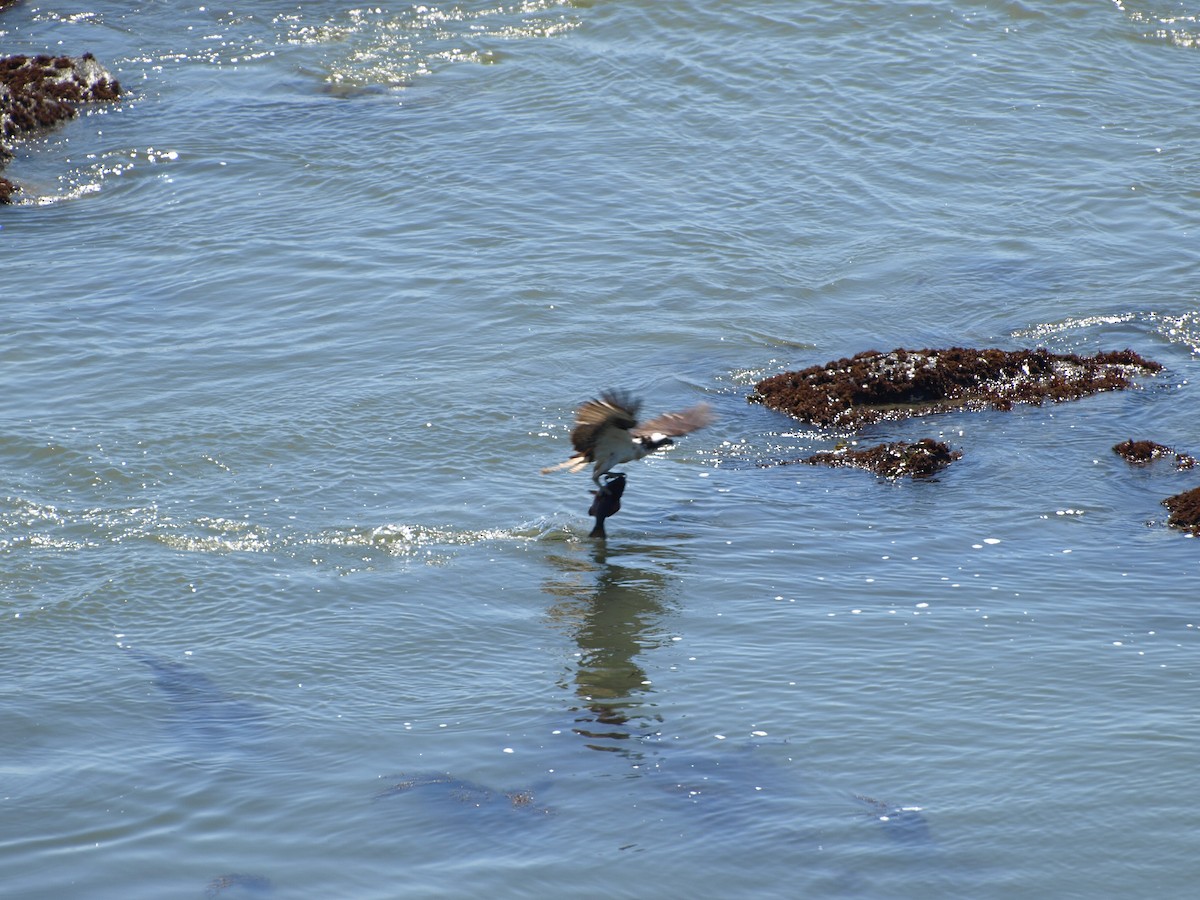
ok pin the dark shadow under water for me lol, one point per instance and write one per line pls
(203, 717)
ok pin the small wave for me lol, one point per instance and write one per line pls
(101, 167)
(34, 525)
(1162, 21)
(373, 46)
(1181, 329)
(37, 525)
(412, 541)
(211, 535)
(1049, 329)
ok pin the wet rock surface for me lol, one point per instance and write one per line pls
(872, 386)
(39, 92)
(1185, 511)
(1141, 453)
(918, 459)
(1184, 508)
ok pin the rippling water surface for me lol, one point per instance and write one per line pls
(288, 332)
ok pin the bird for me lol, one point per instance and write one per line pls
(607, 433)
(606, 502)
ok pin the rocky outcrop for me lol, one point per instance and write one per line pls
(1141, 453)
(39, 92)
(1185, 511)
(873, 386)
(1184, 508)
(899, 459)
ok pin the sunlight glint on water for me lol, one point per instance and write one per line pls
(290, 330)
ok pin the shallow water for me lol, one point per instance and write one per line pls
(289, 332)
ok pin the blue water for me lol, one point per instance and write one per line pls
(289, 331)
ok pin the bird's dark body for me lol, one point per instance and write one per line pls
(606, 502)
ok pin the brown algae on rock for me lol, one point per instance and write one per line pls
(1185, 511)
(1141, 453)
(39, 92)
(919, 459)
(873, 386)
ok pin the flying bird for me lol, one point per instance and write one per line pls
(607, 433)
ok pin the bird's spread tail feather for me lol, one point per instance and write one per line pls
(574, 464)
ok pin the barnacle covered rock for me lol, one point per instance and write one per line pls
(873, 386)
(39, 92)
(919, 459)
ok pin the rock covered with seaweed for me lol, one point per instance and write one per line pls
(1185, 511)
(39, 92)
(1184, 507)
(873, 386)
(1142, 453)
(916, 459)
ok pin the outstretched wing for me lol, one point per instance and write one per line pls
(677, 423)
(614, 409)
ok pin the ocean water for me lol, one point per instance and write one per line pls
(286, 609)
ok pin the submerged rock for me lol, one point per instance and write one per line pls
(1140, 453)
(921, 459)
(874, 386)
(239, 885)
(39, 92)
(204, 716)
(1185, 511)
(462, 792)
(903, 824)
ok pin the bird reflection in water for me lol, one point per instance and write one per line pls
(614, 612)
